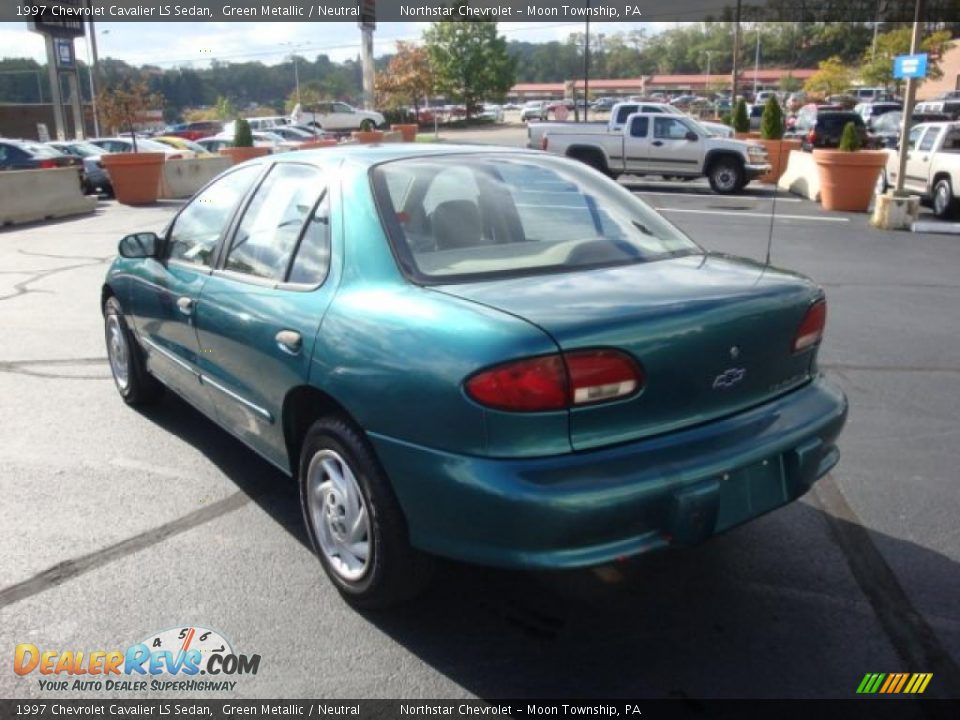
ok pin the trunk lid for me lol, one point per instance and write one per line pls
(714, 335)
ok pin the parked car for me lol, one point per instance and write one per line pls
(597, 385)
(886, 128)
(603, 104)
(933, 166)
(820, 126)
(534, 110)
(615, 123)
(667, 145)
(755, 115)
(292, 134)
(261, 138)
(123, 144)
(95, 177)
(179, 143)
(29, 155)
(870, 112)
(492, 112)
(336, 117)
(194, 130)
(947, 106)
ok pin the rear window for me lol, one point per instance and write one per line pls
(457, 218)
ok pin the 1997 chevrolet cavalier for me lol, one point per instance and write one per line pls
(492, 355)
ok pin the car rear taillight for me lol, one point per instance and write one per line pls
(811, 327)
(812, 137)
(557, 382)
(47, 164)
(544, 142)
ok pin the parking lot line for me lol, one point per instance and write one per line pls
(714, 196)
(762, 215)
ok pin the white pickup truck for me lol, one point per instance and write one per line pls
(933, 166)
(618, 118)
(665, 145)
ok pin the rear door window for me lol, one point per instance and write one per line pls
(929, 138)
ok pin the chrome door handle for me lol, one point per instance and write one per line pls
(289, 341)
(186, 305)
(657, 143)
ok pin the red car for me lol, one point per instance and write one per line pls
(195, 130)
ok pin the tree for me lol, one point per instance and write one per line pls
(849, 139)
(832, 77)
(877, 68)
(741, 121)
(788, 83)
(242, 135)
(771, 122)
(408, 78)
(122, 106)
(470, 61)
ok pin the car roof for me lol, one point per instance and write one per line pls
(375, 154)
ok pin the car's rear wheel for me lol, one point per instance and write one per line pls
(354, 521)
(943, 203)
(726, 176)
(135, 385)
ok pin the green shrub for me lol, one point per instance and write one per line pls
(242, 136)
(727, 119)
(741, 121)
(850, 140)
(771, 122)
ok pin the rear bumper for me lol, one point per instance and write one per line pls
(588, 508)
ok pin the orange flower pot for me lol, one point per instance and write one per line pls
(847, 179)
(367, 136)
(238, 155)
(409, 131)
(135, 176)
(752, 135)
(320, 143)
(779, 152)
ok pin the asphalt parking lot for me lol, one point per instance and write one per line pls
(120, 523)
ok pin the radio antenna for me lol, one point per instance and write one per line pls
(773, 207)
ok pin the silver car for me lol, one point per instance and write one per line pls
(96, 179)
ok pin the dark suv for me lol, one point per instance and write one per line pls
(821, 127)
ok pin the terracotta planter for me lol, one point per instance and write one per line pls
(367, 136)
(135, 176)
(320, 143)
(779, 152)
(238, 155)
(847, 179)
(409, 131)
(752, 135)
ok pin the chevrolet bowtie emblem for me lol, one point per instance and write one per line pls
(728, 378)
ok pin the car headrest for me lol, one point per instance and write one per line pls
(456, 224)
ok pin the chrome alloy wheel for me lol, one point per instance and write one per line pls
(118, 352)
(338, 514)
(941, 199)
(725, 178)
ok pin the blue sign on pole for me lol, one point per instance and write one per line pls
(910, 66)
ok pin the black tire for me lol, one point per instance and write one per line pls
(367, 125)
(394, 571)
(592, 159)
(944, 205)
(669, 178)
(726, 176)
(137, 386)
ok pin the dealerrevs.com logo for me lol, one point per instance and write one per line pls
(170, 660)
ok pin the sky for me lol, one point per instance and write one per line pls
(181, 44)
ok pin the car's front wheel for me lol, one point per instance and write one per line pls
(353, 519)
(135, 385)
(367, 125)
(726, 176)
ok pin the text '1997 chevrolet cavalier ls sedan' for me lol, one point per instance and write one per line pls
(496, 356)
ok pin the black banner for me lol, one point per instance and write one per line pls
(866, 709)
(499, 10)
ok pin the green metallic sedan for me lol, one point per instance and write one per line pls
(486, 354)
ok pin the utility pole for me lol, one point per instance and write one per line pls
(736, 55)
(908, 102)
(586, 70)
(756, 65)
(92, 71)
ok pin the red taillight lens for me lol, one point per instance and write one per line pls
(557, 382)
(812, 137)
(811, 328)
(601, 375)
(530, 385)
(47, 164)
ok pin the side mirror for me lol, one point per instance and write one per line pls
(140, 245)
(692, 136)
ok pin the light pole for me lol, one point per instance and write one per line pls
(709, 54)
(756, 65)
(92, 65)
